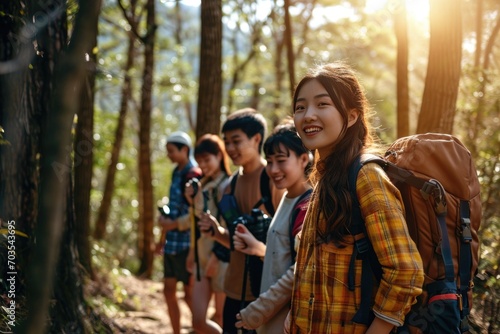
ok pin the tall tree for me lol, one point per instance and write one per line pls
(64, 88)
(443, 70)
(210, 75)
(83, 156)
(402, 91)
(479, 33)
(145, 223)
(180, 50)
(20, 119)
(145, 174)
(289, 46)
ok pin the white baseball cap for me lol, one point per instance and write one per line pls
(180, 138)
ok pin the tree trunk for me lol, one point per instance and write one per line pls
(443, 70)
(289, 46)
(54, 156)
(19, 118)
(109, 184)
(68, 315)
(83, 158)
(402, 91)
(145, 175)
(182, 73)
(18, 147)
(278, 70)
(210, 76)
(479, 33)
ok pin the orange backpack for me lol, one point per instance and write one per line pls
(440, 189)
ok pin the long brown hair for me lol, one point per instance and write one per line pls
(330, 175)
(213, 144)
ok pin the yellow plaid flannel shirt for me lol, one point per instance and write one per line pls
(322, 302)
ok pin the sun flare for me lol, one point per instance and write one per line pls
(417, 10)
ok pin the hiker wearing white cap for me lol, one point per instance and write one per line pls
(180, 137)
(175, 238)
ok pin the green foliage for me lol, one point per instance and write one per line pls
(122, 222)
(109, 303)
(477, 122)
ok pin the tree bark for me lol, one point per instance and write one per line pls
(443, 71)
(402, 91)
(83, 158)
(18, 147)
(145, 174)
(289, 46)
(278, 70)
(479, 33)
(68, 315)
(210, 75)
(54, 157)
(19, 119)
(182, 73)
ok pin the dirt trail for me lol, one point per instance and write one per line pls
(148, 312)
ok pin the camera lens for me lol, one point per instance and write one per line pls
(260, 224)
(164, 211)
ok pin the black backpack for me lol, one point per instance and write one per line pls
(296, 210)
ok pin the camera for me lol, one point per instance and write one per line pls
(195, 184)
(257, 223)
(164, 211)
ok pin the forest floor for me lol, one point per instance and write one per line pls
(135, 305)
(142, 308)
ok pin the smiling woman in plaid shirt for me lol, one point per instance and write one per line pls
(331, 117)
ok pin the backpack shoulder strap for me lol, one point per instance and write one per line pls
(265, 192)
(233, 182)
(295, 212)
(363, 249)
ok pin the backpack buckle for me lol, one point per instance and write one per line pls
(427, 189)
(362, 245)
(438, 194)
(466, 232)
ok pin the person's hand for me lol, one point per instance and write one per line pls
(208, 225)
(287, 323)
(167, 224)
(192, 189)
(240, 323)
(245, 242)
(159, 248)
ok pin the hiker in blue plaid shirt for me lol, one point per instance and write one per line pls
(174, 241)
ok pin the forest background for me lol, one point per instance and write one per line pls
(89, 91)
